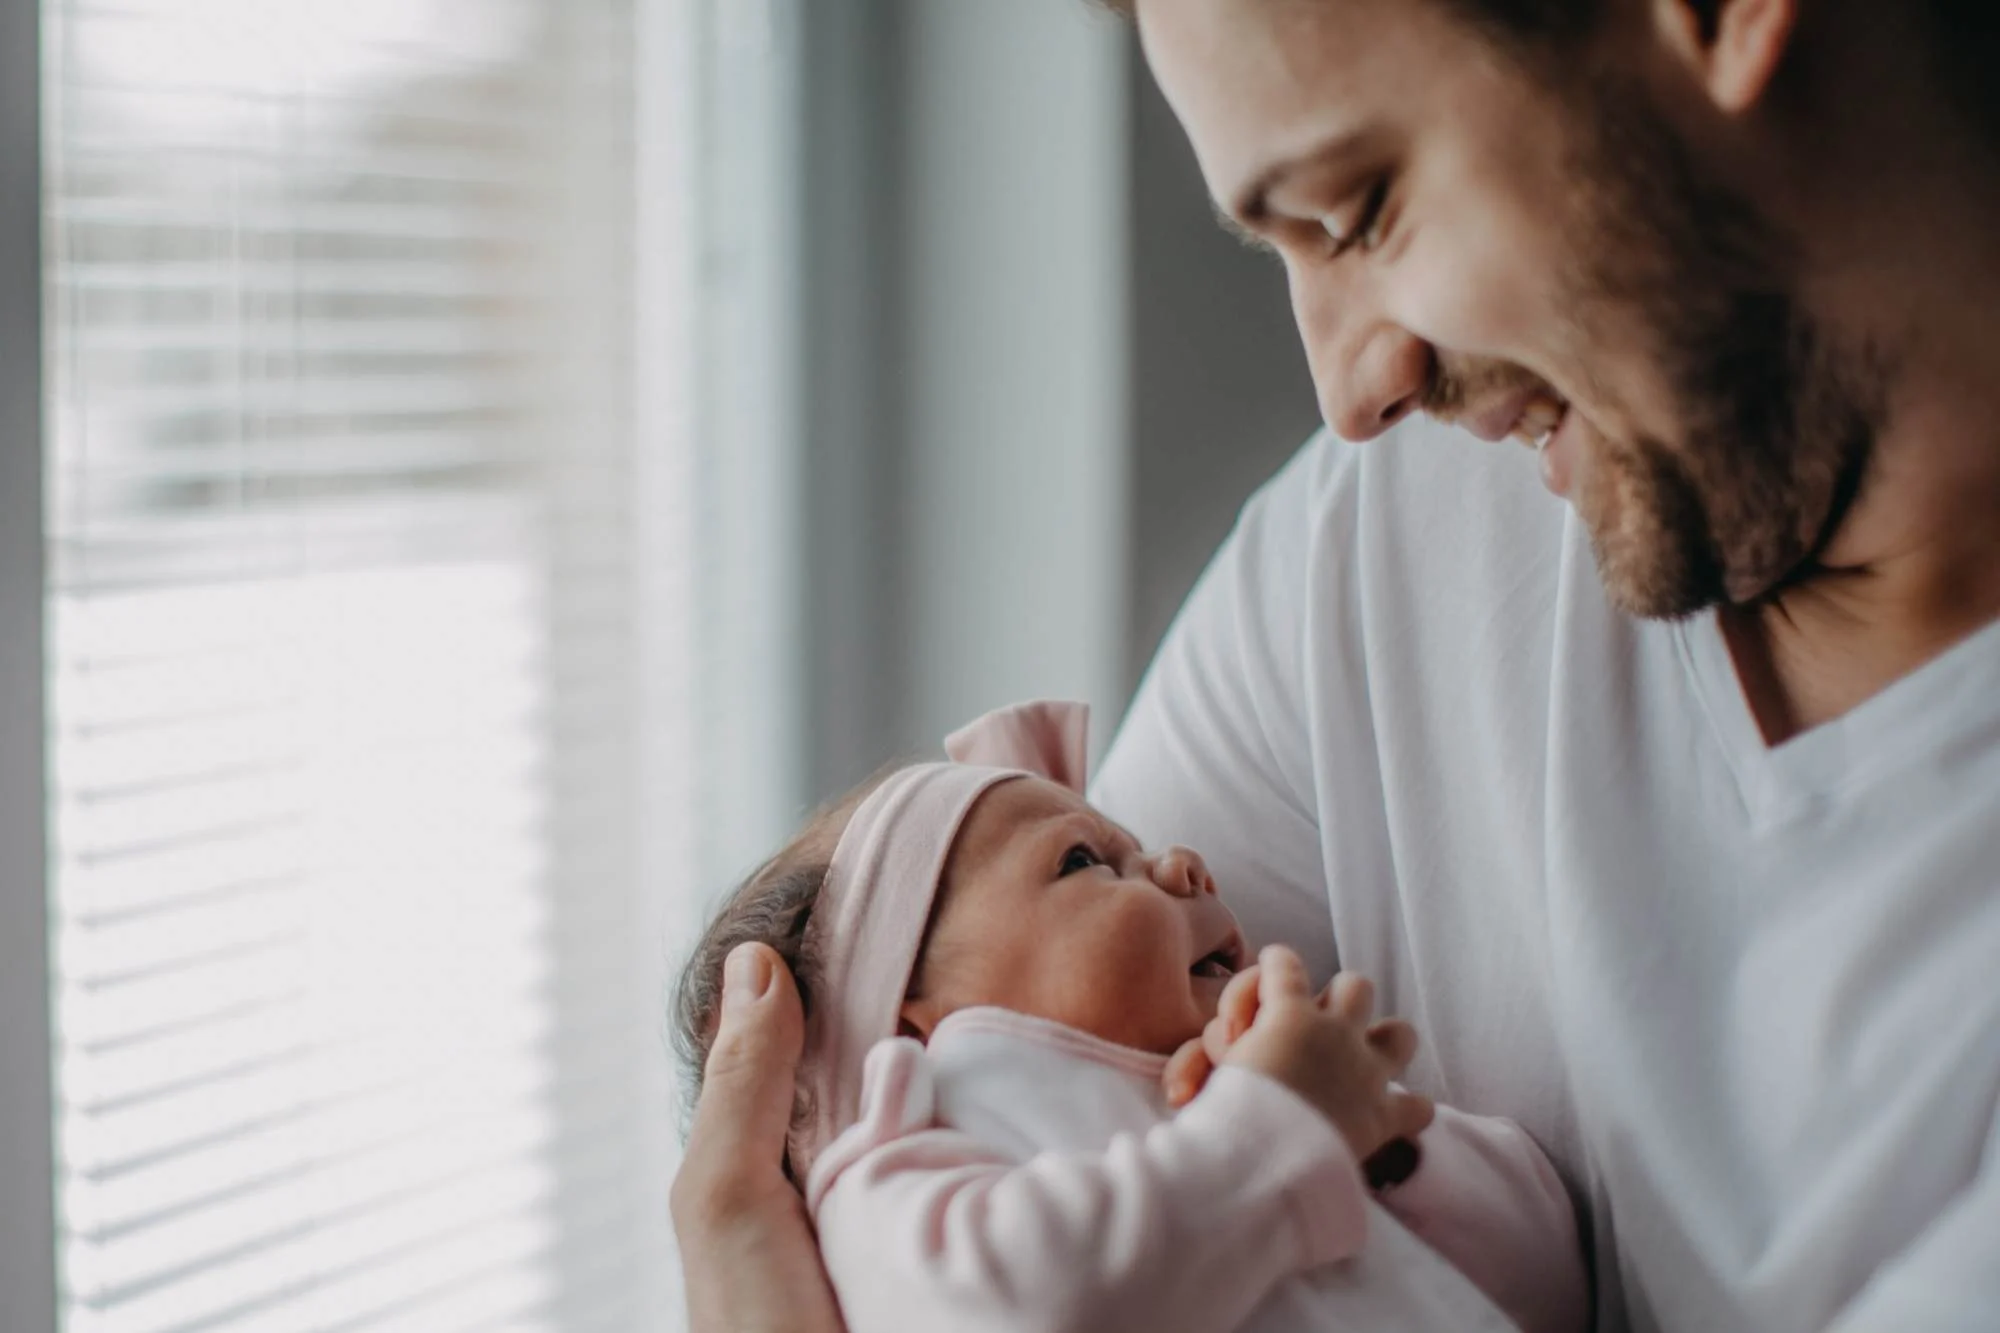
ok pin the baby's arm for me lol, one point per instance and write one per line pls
(1486, 1198)
(1483, 1195)
(1188, 1227)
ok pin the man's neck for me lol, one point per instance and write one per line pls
(1822, 650)
(1909, 271)
(1914, 570)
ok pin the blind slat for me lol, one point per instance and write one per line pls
(341, 592)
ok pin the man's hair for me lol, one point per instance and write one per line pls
(1963, 37)
(1517, 19)
(771, 907)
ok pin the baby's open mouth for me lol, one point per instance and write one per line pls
(1213, 965)
(1225, 960)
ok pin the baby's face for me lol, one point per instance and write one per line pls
(1048, 908)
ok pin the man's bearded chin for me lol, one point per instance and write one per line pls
(1776, 445)
(1775, 424)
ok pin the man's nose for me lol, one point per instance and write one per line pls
(1182, 872)
(1364, 394)
(1370, 371)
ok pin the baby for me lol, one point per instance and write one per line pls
(1044, 1088)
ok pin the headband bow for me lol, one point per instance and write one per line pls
(872, 910)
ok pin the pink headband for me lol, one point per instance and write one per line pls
(870, 919)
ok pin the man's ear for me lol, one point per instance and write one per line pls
(1734, 47)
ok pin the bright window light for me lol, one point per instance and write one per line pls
(370, 618)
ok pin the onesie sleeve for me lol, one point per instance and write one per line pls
(1186, 1227)
(1486, 1198)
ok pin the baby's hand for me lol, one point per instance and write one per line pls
(1187, 1072)
(1323, 1047)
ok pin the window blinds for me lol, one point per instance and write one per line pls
(344, 625)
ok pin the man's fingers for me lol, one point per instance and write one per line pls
(1187, 1071)
(746, 1097)
(1395, 1041)
(1353, 997)
(1238, 1006)
(746, 1245)
(1282, 977)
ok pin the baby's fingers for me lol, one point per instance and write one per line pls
(1352, 996)
(1186, 1073)
(1395, 1041)
(1281, 978)
(1408, 1114)
(1238, 1006)
(1216, 1039)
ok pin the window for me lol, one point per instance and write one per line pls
(374, 494)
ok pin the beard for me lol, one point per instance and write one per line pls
(1774, 424)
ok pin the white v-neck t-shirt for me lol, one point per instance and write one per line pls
(1747, 998)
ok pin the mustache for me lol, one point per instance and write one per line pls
(1457, 382)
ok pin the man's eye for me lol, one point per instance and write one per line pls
(1079, 859)
(1364, 233)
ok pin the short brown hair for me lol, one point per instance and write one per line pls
(772, 907)
(1513, 18)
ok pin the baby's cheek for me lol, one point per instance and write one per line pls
(1153, 986)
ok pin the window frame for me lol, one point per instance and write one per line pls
(27, 1120)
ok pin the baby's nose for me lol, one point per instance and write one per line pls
(1182, 872)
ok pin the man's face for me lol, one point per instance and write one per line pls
(1535, 253)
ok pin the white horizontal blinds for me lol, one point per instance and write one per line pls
(341, 608)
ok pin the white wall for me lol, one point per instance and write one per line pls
(1221, 393)
(1038, 379)
(27, 1258)
(1013, 370)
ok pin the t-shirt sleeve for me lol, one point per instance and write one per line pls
(1215, 751)
(1187, 1227)
(1486, 1198)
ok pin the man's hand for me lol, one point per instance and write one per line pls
(747, 1248)
(1323, 1047)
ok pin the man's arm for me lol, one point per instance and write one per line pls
(1949, 1280)
(1216, 753)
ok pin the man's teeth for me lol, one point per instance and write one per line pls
(1539, 422)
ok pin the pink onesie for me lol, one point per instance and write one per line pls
(1020, 1175)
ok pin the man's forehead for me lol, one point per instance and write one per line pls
(1260, 83)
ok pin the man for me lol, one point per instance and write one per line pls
(1671, 816)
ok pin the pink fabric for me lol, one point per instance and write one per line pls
(1051, 739)
(1186, 1228)
(1187, 1223)
(872, 911)
(1486, 1198)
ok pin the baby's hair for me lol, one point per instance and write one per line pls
(771, 907)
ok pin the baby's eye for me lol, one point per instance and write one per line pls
(1079, 859)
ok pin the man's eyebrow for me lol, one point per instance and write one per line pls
(1252, 203)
